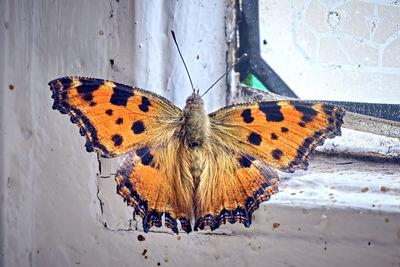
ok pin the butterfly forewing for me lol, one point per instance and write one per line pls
(281, 133)
(114, 117)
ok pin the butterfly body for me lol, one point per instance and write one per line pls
(185, 164)
(196, 124)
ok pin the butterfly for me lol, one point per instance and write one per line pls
(185, 164)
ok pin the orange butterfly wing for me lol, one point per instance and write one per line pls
(251, 138)
(281, 133)
(241, 183)
(144, 186)
(115, 118)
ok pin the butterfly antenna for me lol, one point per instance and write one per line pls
(243, 56)
(180, 54)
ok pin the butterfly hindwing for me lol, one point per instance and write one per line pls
(237, 191)
(115, 118)
(144, 182)
(142, 186)
(282, 133)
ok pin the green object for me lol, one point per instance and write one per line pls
(252, 81)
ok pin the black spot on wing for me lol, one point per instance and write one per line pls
(92, 104)
(255, 138)
(274, 136)
(246, 115)
(117, 139)
(145, 155)
(277, 154)
(138, 127)
(307, 110)
(119, 121)
(121, 95)
(245, 161)
(88, 97)
(145, 104)
(86, 88)
(109, 112)
(284, 130)
(272, 111)
(147, 159)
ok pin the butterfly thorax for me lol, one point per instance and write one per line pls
(196, 124)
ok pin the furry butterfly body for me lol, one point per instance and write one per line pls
(182, 164)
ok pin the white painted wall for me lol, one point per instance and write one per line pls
(50, 211)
